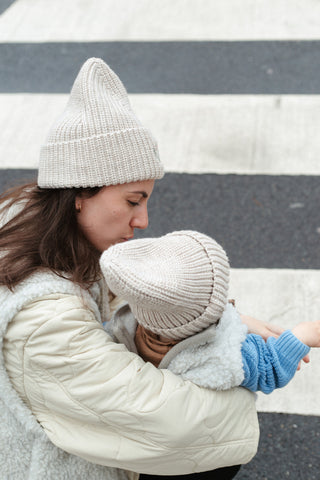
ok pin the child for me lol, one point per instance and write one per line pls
(177, 287)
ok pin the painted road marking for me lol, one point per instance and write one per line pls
(94, 20)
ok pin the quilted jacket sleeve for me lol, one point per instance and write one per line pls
(97, 400)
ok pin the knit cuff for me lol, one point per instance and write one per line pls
(292, 349)
(108, 159)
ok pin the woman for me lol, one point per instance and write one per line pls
(75, 404)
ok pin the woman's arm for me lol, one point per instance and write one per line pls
(99, 401)
(265, 330)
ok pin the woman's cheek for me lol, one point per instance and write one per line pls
(116, 213)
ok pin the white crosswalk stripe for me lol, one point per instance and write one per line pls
(89, 20)
(244, 134)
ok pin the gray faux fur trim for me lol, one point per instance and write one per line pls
(217, 363)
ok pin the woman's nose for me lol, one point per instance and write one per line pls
(140, 219)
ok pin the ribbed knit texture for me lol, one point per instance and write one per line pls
(272, 364)
(98, 140)
(176, 285)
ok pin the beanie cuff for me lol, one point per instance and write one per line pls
(125, 156)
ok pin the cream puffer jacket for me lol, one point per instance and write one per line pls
(96, 400)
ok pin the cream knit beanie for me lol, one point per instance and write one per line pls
(176, 285)
(98, 140)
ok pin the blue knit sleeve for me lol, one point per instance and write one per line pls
(272, 364)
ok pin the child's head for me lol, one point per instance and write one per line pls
(176, 285)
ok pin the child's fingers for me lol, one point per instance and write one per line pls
(306, 359)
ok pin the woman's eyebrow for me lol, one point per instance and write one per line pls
(141, 192)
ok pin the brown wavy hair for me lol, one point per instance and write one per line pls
(45, 234)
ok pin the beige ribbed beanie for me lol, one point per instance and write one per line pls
(176, 285)
(98, 140)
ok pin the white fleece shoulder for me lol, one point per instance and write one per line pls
(216, 364)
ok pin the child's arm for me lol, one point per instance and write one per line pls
(308, 333)
(272, 364)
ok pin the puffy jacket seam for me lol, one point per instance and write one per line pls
(89, 410)
(219, 445)
(169, 449)
(101, 417)
(70, 397)
(61, 384)
(69, 355)
(43, 369)
(71, 309)
(25, 344)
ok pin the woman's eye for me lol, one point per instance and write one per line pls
(133, 203)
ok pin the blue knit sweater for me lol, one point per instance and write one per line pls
(272, 364)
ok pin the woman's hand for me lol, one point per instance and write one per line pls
(265, 330)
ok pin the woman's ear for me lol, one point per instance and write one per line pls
(78, 204)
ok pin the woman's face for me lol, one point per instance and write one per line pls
(112, 214)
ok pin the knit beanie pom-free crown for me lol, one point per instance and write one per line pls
(176, 285)
(98, 140)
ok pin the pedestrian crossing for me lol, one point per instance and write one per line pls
(231, 92)
(144, 20)
(242, 134)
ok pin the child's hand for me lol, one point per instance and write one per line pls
(308, 333)
(306, 359)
